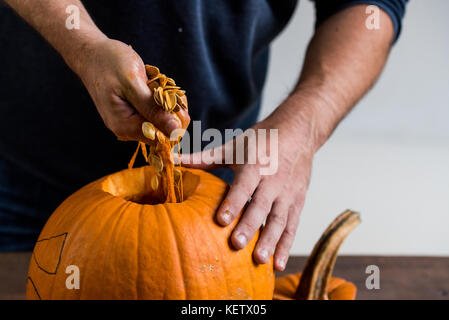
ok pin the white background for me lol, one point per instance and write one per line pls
(389, 159)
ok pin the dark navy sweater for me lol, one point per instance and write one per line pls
(52, 141)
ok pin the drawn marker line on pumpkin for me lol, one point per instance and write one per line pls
(34, 287)
(59, 256)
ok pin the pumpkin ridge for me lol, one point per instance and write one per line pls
(202, 199)
(197, 254)
(113, 239)
(139, 239)
(92, 257)
(178, 254)
(222, 260)
(213, 236)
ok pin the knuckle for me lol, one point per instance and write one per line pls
(283, 249)
(245, 180)
(262, 202)
(301, 196)
(279, 219)
(296, 212)
(157, 115)
(268, 241)
(284, 170)
(242, 191)
(248, 228)
(290, 232)
(296, 207)
(112, 98)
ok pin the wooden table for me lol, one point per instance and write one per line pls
(400, 277)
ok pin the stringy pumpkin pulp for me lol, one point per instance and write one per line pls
(172, 100)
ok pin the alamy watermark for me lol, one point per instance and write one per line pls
(372, 22)
(252, 146)
(73, 20)
(72, 282)
(372, 282)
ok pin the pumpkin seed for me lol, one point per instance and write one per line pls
(156, 162)
(171, 82)
(156, 78)
(152, 71)
(152, 85)
(182, 101)
(158, 96)
(171, 88)
(160, 137)
(149, 130)
(163, 81)
(170, 100)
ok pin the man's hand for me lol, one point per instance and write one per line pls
(116, 79)
(112, 71)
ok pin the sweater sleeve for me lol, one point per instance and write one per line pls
(394, 8)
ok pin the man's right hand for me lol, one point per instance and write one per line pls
(112, 71)
(116, 79)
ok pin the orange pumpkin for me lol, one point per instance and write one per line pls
(126, 244)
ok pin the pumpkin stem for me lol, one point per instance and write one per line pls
(319, 266)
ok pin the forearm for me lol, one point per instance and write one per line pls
(49, 17)
(343, 61)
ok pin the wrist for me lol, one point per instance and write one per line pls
(310, 114)
(82, 49)
(297, 122)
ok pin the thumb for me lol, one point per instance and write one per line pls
(206, 160)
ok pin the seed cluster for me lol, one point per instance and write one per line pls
(169, 97)
(165, 91)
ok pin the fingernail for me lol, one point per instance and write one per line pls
(241, 240)
(281, 263)
(225, 218)
(263, 255)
